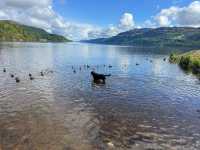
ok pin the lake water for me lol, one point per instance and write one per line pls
(153, 105)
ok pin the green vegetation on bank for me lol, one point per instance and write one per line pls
(11, 31)
(187, 37)
(188, 61)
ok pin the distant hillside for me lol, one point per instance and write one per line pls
(159, 37)
(11, 31)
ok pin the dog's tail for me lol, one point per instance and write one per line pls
(107, 75)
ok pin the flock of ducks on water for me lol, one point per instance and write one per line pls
(17, 79)
(42, 73)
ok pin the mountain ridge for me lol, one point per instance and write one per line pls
(12, 31)
(158, 37)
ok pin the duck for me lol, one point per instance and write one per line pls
(137, 64)
(31, 78)
(41, 73)
(4, 69)
(17, 80)
(12, 75)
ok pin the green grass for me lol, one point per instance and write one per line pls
(189, 61)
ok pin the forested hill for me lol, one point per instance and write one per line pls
(11, 31)
(165, 36)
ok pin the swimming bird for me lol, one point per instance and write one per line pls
(17, 80)
(137, 64)
(31, 78)
(30, 75)
(164, 59)
(41, 73)
(12, 75)
(74, 71)
(110, 66)
(4, 69)
(88, 66)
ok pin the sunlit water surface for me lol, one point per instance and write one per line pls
(154, 105)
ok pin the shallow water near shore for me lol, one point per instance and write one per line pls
(153, 105)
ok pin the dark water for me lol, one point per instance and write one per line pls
(150, 106)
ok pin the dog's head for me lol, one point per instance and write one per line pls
(92, 72)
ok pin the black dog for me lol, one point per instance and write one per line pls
(98, 78)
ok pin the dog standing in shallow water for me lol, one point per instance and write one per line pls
(99, 78)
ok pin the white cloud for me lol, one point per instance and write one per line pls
(103, 33)
(163, 21)
(127, 21)
(27, 3)
(148, 24)
(189, 16)
(180, 16)
(41, 14)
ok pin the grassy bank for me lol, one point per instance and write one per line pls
(189, 61)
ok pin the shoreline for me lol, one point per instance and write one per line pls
(189, 61)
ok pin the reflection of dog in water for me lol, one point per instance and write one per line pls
(99, 78)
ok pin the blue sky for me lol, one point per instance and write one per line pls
(89, 19)
(105, 12)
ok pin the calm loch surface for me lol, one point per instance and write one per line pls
(153, 105)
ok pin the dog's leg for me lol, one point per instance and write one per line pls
(104, 81)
